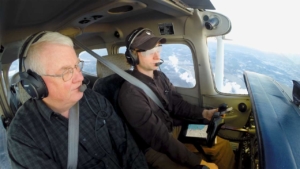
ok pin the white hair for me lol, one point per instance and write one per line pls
(32, 60)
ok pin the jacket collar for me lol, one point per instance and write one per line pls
(144, 78)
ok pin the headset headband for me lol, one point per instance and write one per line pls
(135, 34)
(25, 47)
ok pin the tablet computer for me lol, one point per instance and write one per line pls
(196, 130)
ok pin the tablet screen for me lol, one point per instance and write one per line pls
(197, 130)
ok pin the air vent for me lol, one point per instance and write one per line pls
(95, 17)
(205, 18)
(120, 9)
(84, 21)
(92, 18)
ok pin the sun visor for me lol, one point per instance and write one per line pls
(199, 4)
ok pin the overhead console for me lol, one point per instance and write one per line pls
(277, 122)
(109, 12)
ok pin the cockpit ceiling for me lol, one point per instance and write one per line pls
(20, 18)
(31, 12)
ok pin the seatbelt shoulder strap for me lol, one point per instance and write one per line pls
(73, 137)
(128, 77)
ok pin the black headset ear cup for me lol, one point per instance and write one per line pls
(34, 84)
(130, 58)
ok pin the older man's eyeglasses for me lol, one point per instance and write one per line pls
(156, 49)
(68, 72)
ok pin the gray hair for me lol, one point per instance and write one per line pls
(33, 57)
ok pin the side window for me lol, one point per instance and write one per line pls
(13, 69)
(234, 62)
(236, 58)
(122, 49)
(178, 64)
(90, 62)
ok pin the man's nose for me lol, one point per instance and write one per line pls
(156, 56)
(78, 75)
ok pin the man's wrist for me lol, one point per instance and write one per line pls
(207, 114)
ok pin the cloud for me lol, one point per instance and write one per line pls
(188, 78)
(234, 88)
(184, 74)
(173, 59)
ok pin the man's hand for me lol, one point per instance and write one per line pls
(209, 165)
(208, 113)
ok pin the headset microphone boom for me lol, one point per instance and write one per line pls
(82, 88)
(159, 63)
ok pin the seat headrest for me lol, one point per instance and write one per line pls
(117, 59)
(15, 78)
(24, 96)
(21, 93)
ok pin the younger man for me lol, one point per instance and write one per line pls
(151, 125)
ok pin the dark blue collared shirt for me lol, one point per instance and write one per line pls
(38, 137)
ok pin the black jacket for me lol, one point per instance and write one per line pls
(150, 123)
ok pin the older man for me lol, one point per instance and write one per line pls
(38, 134)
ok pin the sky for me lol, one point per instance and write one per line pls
(270, 25)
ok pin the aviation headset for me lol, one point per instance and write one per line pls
(132, 58)
(33, 83)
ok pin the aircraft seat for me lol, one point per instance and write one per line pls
(117, 59)
(18, 95)
(20, 91)
(108, 83)
(109, 87)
